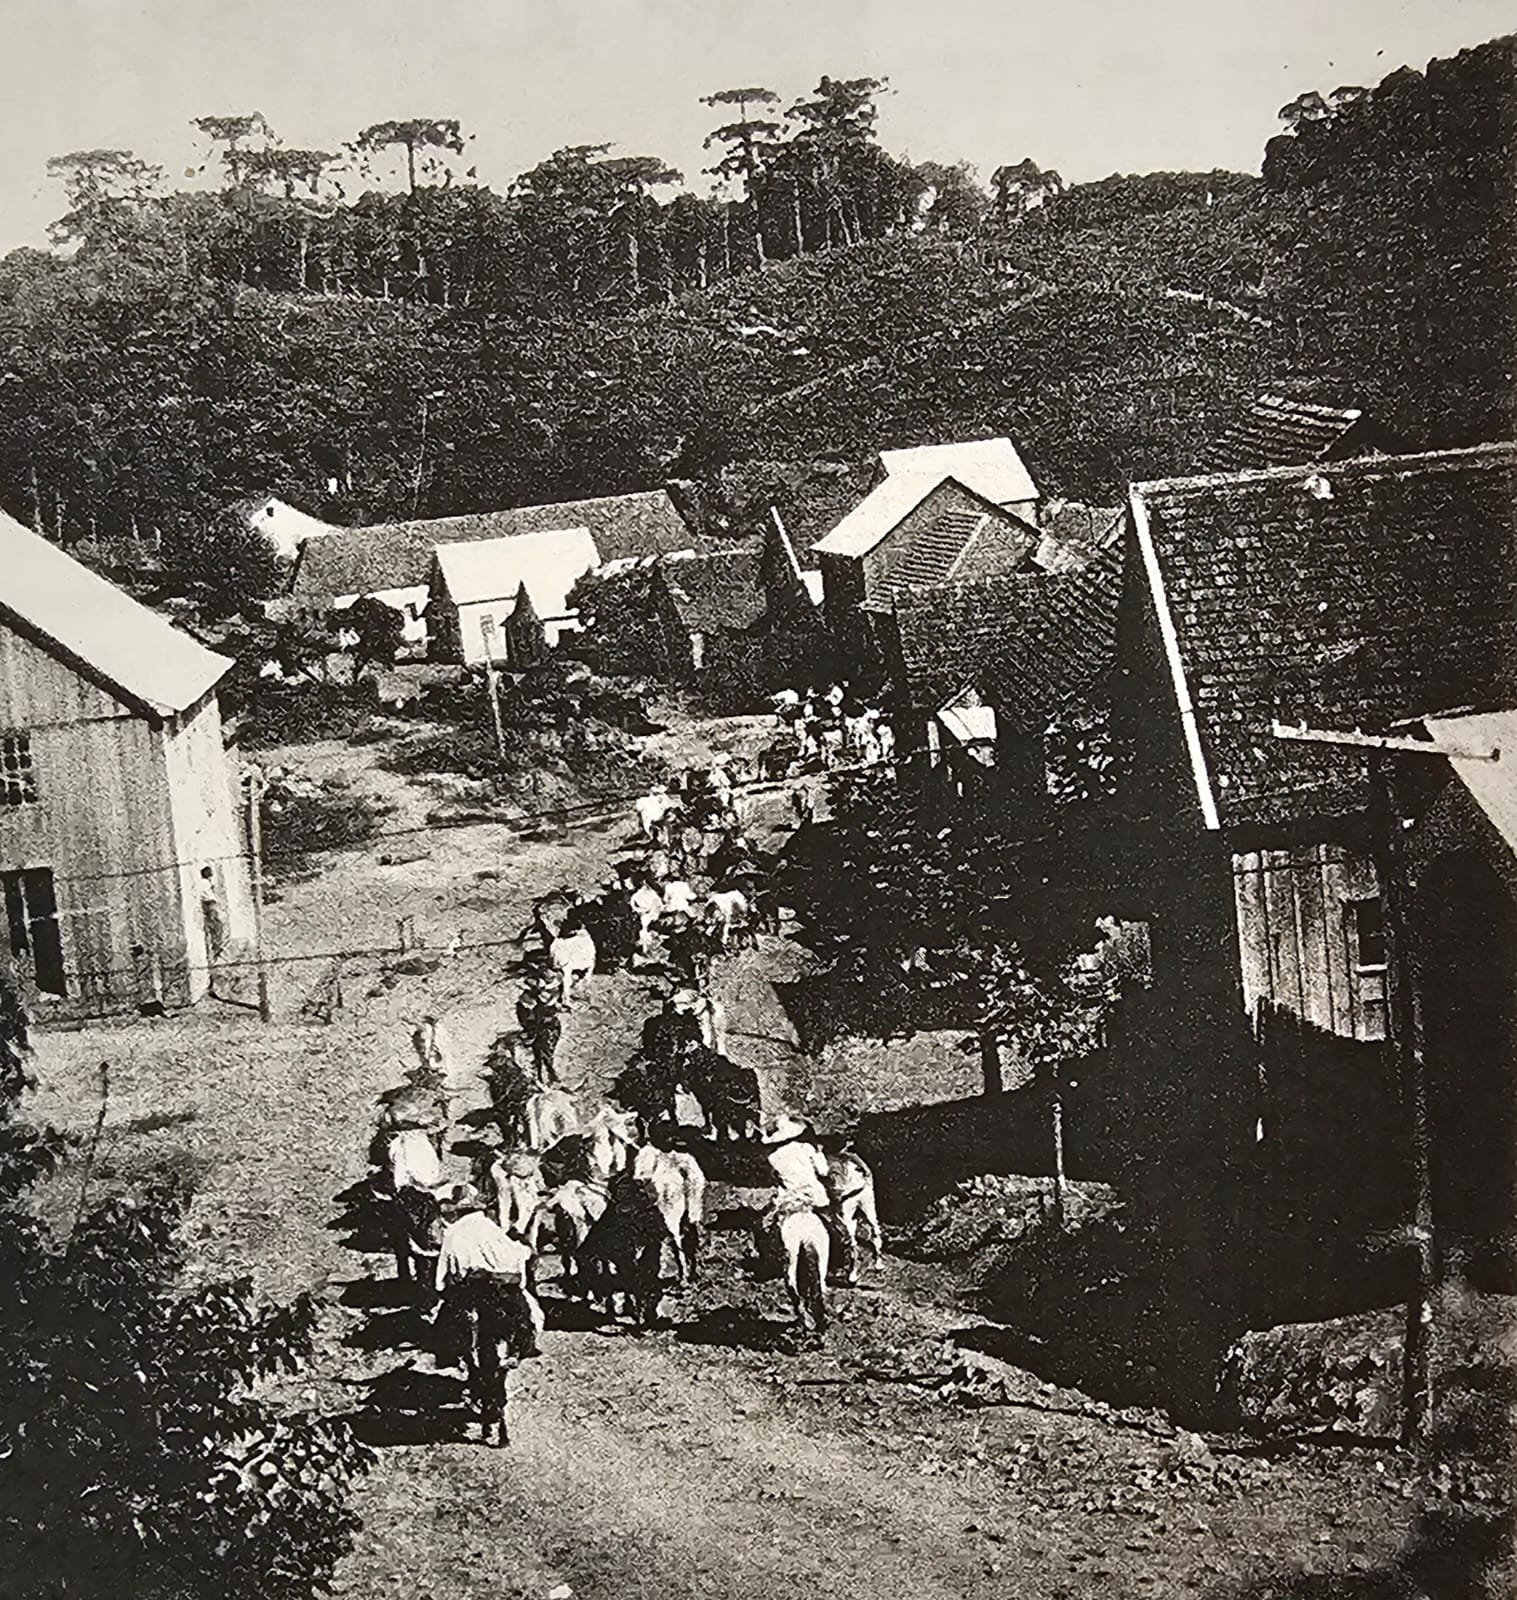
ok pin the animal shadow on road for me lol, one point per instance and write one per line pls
(404, 1406)
(739, 1328)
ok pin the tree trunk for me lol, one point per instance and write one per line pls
(990, 1061)
(1058, 1159)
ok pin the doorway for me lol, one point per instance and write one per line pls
(31, 914)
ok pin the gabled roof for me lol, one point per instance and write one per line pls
(722, 590)
(398, 555)
(98, 630)
(991, 467)
(1277, 431)
(888, 505)
(1034, 642)
(547, 564)
(1349, 594)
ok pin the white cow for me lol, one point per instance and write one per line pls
(572, 957)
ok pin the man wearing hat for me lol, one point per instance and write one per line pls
(480, 1267)
(800, 1172)
(537, 1014)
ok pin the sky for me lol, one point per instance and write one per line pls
(1087, 86)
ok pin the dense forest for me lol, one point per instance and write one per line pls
(373, 333)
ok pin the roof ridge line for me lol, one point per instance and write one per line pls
(1492, 451)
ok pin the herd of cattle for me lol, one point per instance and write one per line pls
(618, 1191)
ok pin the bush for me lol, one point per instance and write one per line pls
(298, 822)
(139, 1454)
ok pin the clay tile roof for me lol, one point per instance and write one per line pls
(398, 555)
(1034, 642)
(1276, 431)
(1349, 594)
(718, 591)
(98, 630)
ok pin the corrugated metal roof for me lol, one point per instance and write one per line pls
(99, 630)
(880, 511)
(990, 467)
(550, 563)
(1492, 784)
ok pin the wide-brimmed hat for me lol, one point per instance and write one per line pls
(684, 999)
(459, 1198)
(783, 1129)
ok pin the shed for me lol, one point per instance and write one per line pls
(122, 859)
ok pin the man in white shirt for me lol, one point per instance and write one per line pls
(480, 1267)
(800, 1172)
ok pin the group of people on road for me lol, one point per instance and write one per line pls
(617, 1193)
(833, 727)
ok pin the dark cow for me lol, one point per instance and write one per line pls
(728, 1093)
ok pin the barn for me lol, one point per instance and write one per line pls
(121, 854)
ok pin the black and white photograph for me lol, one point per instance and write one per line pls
(758, 800)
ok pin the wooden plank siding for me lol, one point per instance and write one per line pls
(105, 826)
(1296, 945)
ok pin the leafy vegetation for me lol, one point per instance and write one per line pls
(372, 334)
(139, 1452)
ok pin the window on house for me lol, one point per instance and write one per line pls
(18, 777)
(1367, 951)
(31, 914)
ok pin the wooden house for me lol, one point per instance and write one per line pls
(122, 854)
(1371, 593)
(393, 561)
(932, 515)
(505, 599)
(740, 619)
(981, 671)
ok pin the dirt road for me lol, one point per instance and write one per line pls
(702, 1460)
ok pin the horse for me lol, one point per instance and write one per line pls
(572, 956)
(648, 906)
(730, 912)
(678, 1186)
(850, 1187)
(547, 1117)
(623, 1253)
(803, 1236)
(516, 1181)
(651, 810)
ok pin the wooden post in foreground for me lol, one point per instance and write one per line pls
(255, 870)
(1404, 1014)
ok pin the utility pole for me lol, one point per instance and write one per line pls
(254, 780)
(1404, 1015)
(487, 631)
